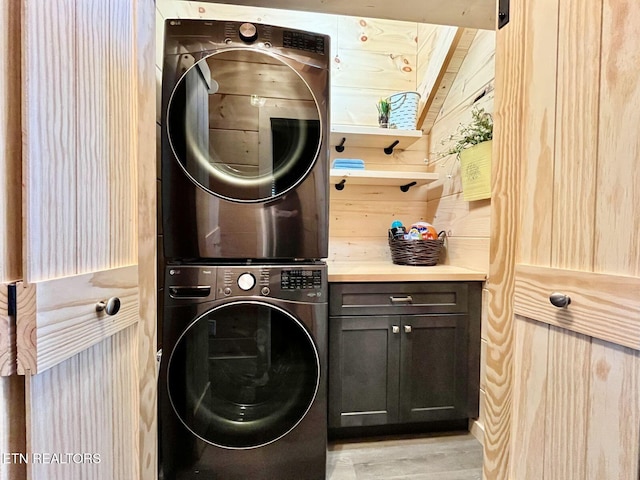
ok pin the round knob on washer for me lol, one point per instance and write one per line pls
(246, 281)
(248, 32)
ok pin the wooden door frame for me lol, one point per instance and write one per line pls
(503, 245)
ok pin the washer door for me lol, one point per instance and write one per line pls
(244, 125)
(243, 375)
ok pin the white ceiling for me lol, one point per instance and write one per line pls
(463, 13)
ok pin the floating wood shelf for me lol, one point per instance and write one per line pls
(404, 180)
(373, 137)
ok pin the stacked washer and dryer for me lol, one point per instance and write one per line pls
(242, 388)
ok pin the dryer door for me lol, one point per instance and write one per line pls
(243, 375)
(244, 125)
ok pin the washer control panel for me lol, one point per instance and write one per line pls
(196, 283)
(298, 283)
(300, 279)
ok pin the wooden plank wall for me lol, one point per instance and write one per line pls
(467, 223)
(12, 421)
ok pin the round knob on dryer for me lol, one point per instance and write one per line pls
(246, 281)
(248, 32)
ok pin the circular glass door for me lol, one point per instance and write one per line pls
(243, 375)
(244, 125)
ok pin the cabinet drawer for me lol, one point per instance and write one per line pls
(398, 298)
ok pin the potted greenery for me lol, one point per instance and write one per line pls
(472, 144)
(384, 109)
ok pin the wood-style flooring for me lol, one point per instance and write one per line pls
(438, 457)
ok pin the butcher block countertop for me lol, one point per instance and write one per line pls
(385, 271)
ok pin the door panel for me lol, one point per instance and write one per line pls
(91, 407)
(81, 83)
(578, 236)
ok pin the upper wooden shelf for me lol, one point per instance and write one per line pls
(373, 137)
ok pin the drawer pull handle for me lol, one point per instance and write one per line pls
(406, 299)
(559, 300)
(407, 329)
(395, 329)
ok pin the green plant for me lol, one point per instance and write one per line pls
(384, 107)
(479, 130)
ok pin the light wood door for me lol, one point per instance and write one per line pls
(576, 369)
(86, 92)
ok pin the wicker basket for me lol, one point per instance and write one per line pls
(417, 252)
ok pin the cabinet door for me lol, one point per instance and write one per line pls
(363, 376)
(433, 368)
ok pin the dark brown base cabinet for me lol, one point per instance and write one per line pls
(403, 352)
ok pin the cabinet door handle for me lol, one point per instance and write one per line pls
(395, 329)
(406, 299)
(407, 329)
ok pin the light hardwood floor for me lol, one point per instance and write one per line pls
(437, 457)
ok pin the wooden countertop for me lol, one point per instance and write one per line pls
(385, 271)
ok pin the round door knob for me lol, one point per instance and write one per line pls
(110, 307)
(246, 281)
(559, 300)
(248, 32)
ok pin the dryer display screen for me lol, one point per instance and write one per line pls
(303, 41)
(300, 279)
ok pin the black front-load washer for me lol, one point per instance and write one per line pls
(243, 373)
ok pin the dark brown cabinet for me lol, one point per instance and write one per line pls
(403, 352)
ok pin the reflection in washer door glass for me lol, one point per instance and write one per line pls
(243, 375)
(244, 125)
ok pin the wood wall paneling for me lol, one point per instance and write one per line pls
(376, 35)
(476, 14)
(466, 223)
(447, 58)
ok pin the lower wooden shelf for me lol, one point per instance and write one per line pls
(380, 177)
